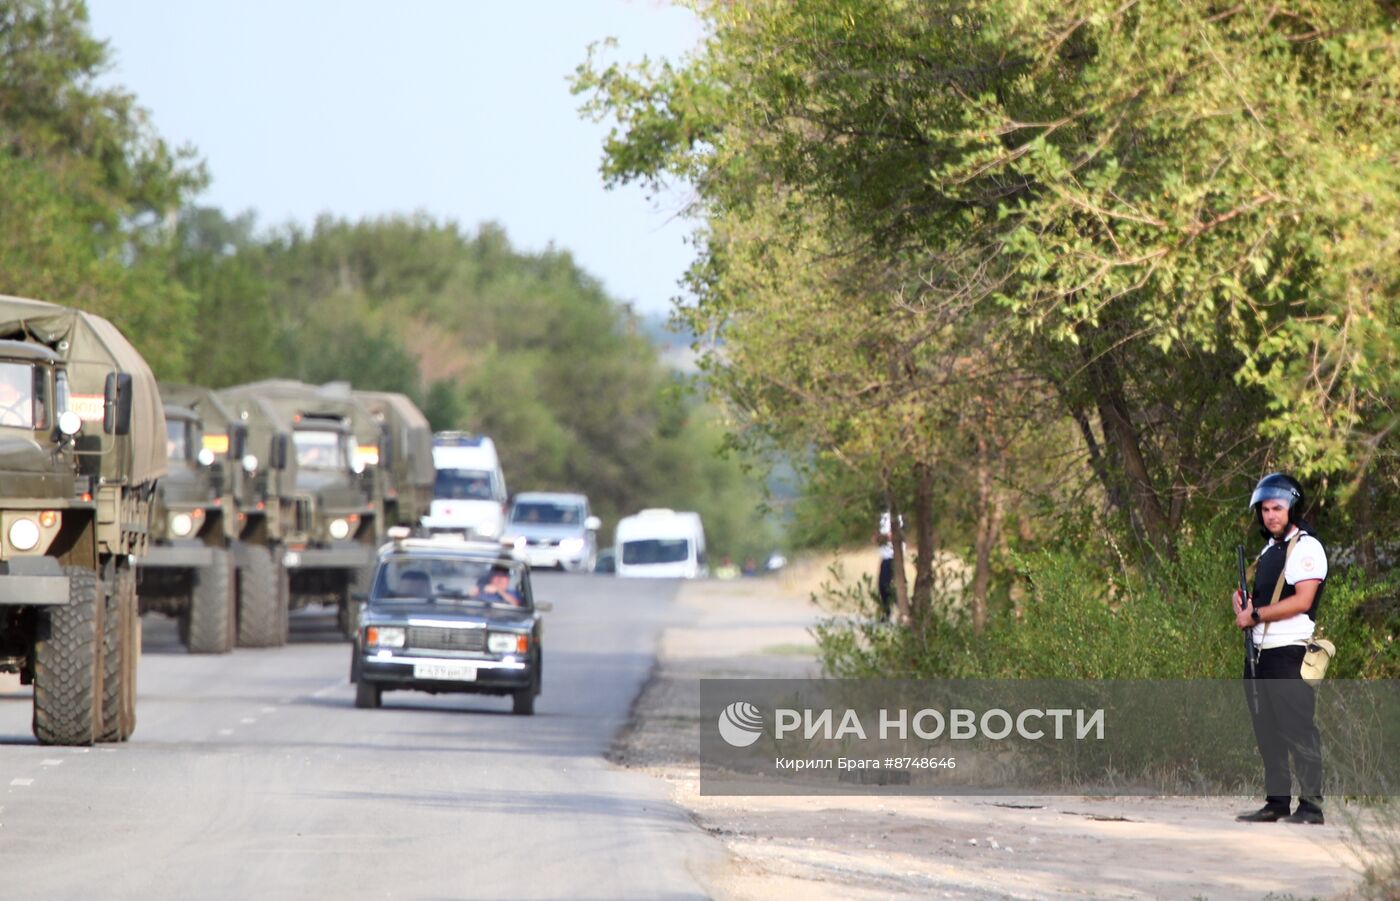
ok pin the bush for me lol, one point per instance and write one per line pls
(1086, 613)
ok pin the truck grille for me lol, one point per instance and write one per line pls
(436, 638)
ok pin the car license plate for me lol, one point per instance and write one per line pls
(455, 672)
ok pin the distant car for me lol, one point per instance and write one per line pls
(553, 529)
(606, 564)
(447, 615)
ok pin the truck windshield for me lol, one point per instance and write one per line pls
(17, 395)
(656, 550)
(320, 450)
(177, 444)
(462, 485)
(546, 513)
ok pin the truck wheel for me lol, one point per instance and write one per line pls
(259, 615)
(284, 596)
(212, 610)
(367, 696)
(68, 664)
(121, 641)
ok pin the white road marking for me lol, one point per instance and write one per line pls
(322, 692)
(21, 781)
(50, 761)
(268, 710)
(225, 731)
(248, 720)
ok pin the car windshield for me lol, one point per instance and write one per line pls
(318, 449)
(546, 513)
(462, 485)
(656, 550)
(445, 579)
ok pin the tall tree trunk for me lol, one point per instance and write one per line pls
(922, 600)
(901, 584)
(989, 514)
(1106, 382)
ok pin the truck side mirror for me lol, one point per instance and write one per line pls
(116, 404)
(278, 451)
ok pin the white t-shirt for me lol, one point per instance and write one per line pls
(887, 549)
(1308, 561)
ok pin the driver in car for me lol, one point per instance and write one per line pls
(497, 588)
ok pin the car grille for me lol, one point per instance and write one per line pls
(434, 638)
(542, 542)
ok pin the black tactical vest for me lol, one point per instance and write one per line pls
(1267, 574)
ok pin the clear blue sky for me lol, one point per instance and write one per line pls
(459, 109)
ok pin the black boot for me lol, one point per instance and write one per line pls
(1307, 812)
(1269, 813)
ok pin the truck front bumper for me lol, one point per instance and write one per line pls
(33, 582)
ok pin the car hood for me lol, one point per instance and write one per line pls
(449, 613)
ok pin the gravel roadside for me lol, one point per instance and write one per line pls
(870, 847)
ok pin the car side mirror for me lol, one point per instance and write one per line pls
(592, 523)
(116, 404)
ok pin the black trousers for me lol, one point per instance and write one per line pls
(1284, 726)
(886, 585)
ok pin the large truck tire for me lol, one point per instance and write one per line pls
(213, 613)
(261, 606)
(284, 595)
(351, 603)
(121, 643)
(68, 664)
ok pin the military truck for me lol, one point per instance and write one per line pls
(270, 517)
(331, 560)
(81, 449)
(195, 569)
(407, 467)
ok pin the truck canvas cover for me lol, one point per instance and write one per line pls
(93, 348)
(411, 433)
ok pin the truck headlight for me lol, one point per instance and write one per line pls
(181, 524)
(507, 643)
(339, 528)
(24, 534)
(384, 637)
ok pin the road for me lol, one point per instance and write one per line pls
(253, 775)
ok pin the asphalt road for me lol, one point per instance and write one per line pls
(252, 775)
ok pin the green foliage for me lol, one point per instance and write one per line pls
(1086, 614)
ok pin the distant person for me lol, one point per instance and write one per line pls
(497, 588)
(884, 539)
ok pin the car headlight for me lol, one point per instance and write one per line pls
(181, 524)
(339, 528)
(24, 534)
(384, 637)
(489, 529)
(507, 643)
(571, 545)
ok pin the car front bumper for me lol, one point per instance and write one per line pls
(545, 557)
(395, 671)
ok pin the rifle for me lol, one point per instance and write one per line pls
(1249, 670)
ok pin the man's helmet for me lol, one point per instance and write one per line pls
(1277, 486)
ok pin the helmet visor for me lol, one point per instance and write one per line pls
(1273, 493)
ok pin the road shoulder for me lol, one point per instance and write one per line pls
(869, 847)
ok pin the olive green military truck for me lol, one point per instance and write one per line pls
(270, 516)
(406, 466)
(339, 499)
(196, 569)
(82, 445)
